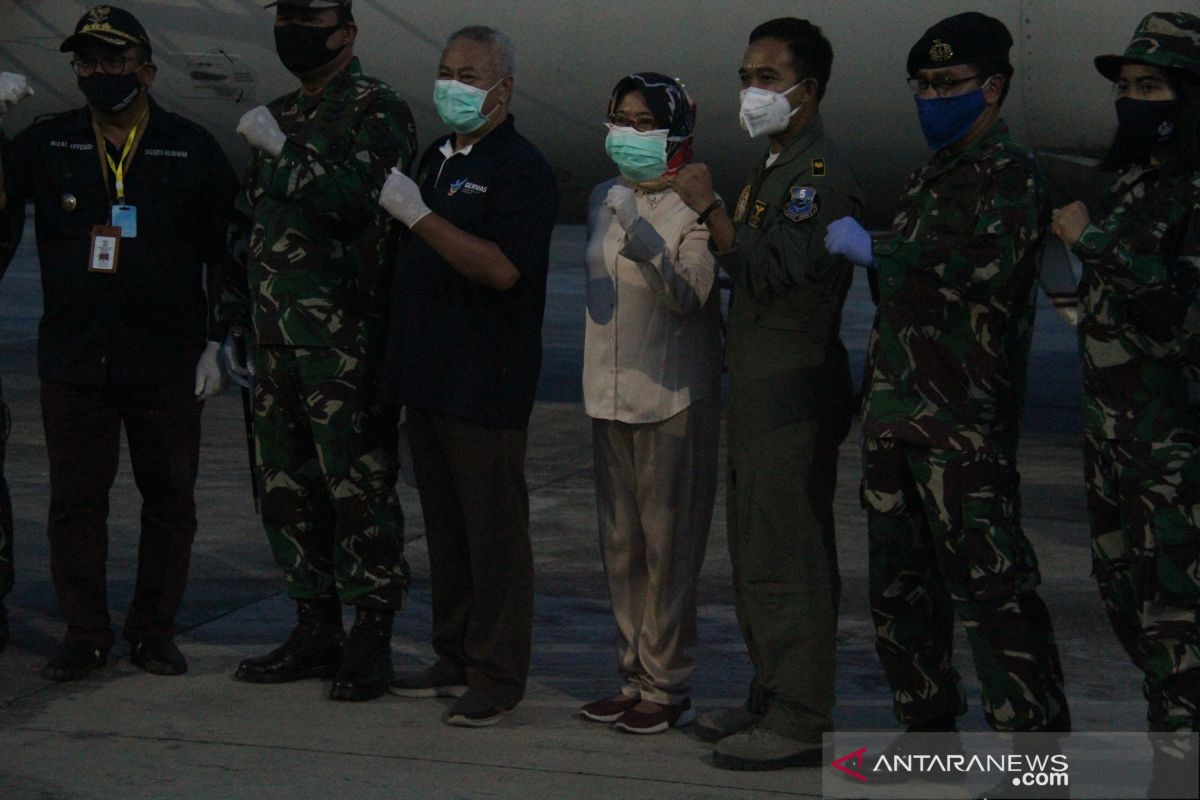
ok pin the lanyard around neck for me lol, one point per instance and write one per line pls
(119, 167)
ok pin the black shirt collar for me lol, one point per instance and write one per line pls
(496, 139)
(160, 120)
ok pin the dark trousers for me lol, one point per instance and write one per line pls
(476, 507)
(83, 428)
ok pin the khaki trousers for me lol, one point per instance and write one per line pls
(655, 488)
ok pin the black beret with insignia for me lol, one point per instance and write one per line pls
(962, 39)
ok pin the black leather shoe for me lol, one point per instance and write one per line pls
(367, 668)
(73, 660)
(157, 655)
(3, 627)
(314, 649)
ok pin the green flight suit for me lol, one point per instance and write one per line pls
(789, 410)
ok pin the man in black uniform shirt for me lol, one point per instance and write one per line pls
(13, 88)
(464, 353)
(131, 204)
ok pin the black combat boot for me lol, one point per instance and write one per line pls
(367, 669)
(314, 650)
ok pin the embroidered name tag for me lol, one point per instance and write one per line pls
(466, 187)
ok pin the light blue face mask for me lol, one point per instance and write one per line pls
(460, 105)
(640, 155)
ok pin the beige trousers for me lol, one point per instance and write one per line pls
(655, 488)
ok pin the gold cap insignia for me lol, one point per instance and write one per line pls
(941, 51)
(99, 13)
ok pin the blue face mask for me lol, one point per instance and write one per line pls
(641, 156)
(945, 120)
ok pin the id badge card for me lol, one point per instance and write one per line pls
(106, 246)
(125, 218)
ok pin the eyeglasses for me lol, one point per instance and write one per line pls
(642, 122)
(109, 65)
(942, 87)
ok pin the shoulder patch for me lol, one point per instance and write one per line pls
(802, 203)
(818, 168)
(739, 213)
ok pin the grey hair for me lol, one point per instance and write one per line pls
(504, 52)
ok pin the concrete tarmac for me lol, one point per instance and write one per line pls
(122, 733)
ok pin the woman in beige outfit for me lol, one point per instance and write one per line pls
(651, 384)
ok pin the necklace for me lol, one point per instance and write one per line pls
(654, 198)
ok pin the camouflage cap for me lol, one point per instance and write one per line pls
(107, 26)
(1162, 39)
(961, 39)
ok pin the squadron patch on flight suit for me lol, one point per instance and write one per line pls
(802, 204)
(739, 213)
(758, 214)
(818, 168)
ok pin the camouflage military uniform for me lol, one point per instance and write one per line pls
(6, 513)
(1141, 382)
(6, 516)
(320, 260)
(942, 399)
(790, 402)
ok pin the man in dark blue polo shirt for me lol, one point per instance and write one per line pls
(131, 204)
(463, 357)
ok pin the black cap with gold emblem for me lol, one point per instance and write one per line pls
(962, 39)
(107, 26)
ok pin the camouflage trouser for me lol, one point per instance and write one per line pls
(6, 514)
(945, 538)
(327, 468)
(1144, 504)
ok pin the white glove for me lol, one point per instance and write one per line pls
(240, 373)
(623, 202)
(845, 237)
(401, 197)
(208, 372)
(260, 129)
(13, 89)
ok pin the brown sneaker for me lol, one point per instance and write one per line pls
(609, 709)
(713, 726)
(657, 719)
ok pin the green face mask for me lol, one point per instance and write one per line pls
(640, 155)
(461, 106)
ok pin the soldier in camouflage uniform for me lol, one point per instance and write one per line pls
(943, 389)
(1141, 380)
(6, 518)
(320, 260)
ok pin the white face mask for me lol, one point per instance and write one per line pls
(765, 113)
